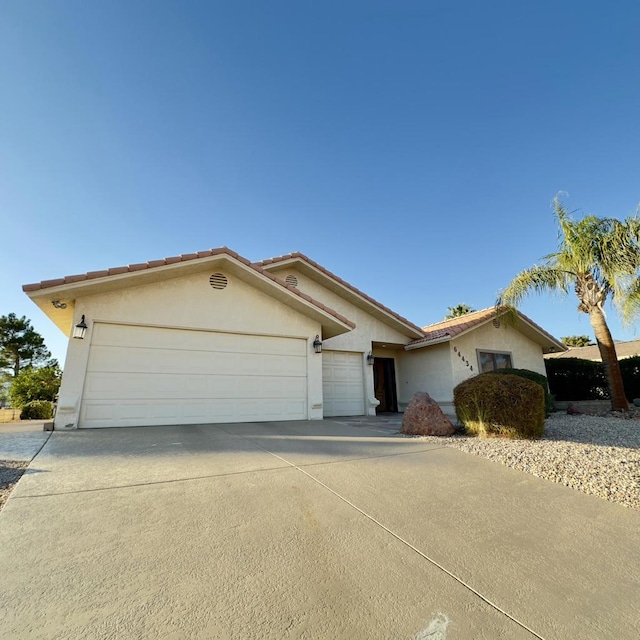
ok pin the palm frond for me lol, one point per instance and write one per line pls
(627, 301)
(538, 279)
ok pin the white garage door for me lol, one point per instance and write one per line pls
(342, 384)
(138, 375)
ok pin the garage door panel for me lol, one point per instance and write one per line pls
(147, 375)
(342, 374)
(167, 410)
(342, 383)
(140, 413)
(98, 411)
(132, 336)
(159, 386)
(117, 359)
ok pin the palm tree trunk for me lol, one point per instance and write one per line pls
(609, 360)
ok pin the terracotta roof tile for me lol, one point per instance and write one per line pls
(140, 266)
(455, 326)
(152, 264)
(300, 256)
(79, 278)
(91, 274)
(51, 283)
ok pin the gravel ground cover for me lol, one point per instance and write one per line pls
(10, 472)
(595, 454)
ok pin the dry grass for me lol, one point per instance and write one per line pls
(9, 415)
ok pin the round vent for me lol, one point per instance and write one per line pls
(496, 323)
(291, 280)
(218, 281)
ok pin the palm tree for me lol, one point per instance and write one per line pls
(598, 258)
(576, 341)
(457, 311)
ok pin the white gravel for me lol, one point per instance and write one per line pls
(596, 455)
(10, 472)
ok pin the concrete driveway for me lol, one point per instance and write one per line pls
(22, 441)
(333, 529)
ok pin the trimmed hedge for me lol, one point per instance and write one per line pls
(549, 405)
(508, 405)
(630, 369)
(37, 410)
(577, 379)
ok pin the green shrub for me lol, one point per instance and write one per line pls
(509, 406)
(35, 384)
(549, 404)
(577, 379)
(37, 410)
(630, 369)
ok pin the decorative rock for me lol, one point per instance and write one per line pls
(574, 410)
(424, 417)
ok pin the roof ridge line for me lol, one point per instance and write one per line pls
(185, 257)
(330, 274)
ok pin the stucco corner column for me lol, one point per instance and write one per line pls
(371, 402)
(314, 382)
(75, 366)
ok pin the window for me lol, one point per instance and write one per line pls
(493, 360)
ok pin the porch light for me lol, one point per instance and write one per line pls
(370, 358)
(80, 329)
(317, 345)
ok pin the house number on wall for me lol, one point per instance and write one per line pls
(463, 358)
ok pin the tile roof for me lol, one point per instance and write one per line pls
(450, 328)
(455, 326)
(624, 349)
(300, 256)
(152, 264)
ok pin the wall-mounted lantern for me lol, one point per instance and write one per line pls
(317, 345)
(370, 359)
(80, 329)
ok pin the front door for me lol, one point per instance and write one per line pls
(384, 380)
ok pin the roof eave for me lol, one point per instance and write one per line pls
(428, 343)
(332, 323)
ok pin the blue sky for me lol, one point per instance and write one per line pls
(412, 147)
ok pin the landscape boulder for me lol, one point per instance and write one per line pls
(574, 410)
(424, 417)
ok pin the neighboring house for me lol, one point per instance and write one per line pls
(212, 337)
(624, 349)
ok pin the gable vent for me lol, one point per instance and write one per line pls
(496, 323)
(291, 280)
(218, 281)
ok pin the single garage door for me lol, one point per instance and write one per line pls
(140, 375)
(342, 384)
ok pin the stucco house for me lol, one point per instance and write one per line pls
(213, 337)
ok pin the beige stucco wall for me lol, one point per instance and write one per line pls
(439, 368)
(525, 353)
(368, 329)
(188, 302)
(427, 369)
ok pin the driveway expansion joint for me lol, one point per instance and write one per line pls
(378, 457)
(150, 483)
(402, 540)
